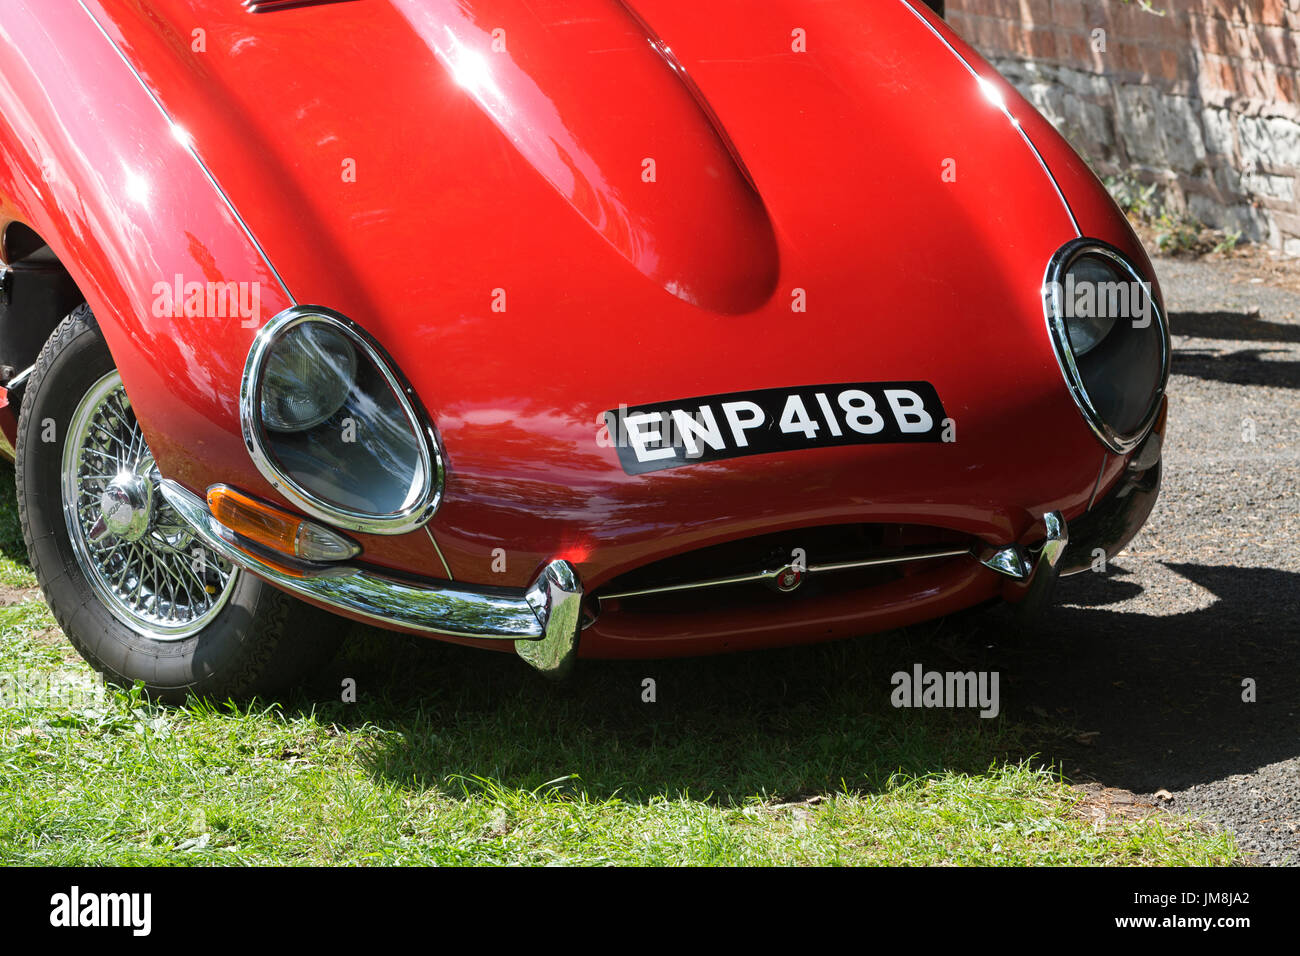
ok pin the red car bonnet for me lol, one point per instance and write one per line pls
(542, 219)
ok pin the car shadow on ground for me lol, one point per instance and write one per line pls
(1243, 367)
(1169, 695)
(1130, 699)
(1233, 326)
(1250, 367)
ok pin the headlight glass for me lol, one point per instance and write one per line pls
(1110, 338)
(334, 427)
(1088, 326)
(310, 371)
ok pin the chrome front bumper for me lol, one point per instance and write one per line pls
(541, 620)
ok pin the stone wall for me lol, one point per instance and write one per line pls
(1201, 96)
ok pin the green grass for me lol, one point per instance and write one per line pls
(452, 756)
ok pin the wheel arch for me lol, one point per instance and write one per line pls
(36, 293)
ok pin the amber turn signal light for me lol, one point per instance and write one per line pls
(277, 530)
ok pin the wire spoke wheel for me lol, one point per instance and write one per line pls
(136, 552)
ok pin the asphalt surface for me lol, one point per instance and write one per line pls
(1147, 661)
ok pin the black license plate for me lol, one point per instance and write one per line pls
(714, 427)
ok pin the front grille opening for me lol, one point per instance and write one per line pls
(825, 545)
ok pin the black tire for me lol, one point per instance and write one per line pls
(258, 642)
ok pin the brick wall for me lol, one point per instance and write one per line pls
(1204, 99)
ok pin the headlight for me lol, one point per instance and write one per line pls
(1110, 338)
(331, 424)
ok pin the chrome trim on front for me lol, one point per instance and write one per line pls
(409, 518)
(1112, 524)
(542, 620)
(1058, 539)
(775, 577)
(556, 599)
(1059, 334)
(1020, 564)
(1013, 561)
(445, 566)
(1096, 485)
(1147, 455)
(1009, 561)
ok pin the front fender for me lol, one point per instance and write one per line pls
(92, 163)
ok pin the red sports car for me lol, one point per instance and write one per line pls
(582, 328)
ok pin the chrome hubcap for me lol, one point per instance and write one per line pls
(125, 507)
(138, 555)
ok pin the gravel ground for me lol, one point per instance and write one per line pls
(1147, 661)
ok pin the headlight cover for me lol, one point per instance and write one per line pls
(1110, 338)
(330, 422)
(309, 374)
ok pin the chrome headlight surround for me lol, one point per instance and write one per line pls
(1117, 440)
(420, 504)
